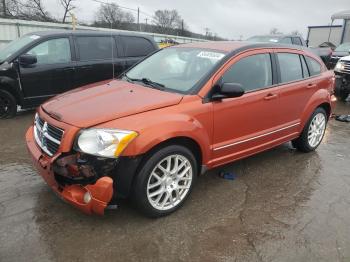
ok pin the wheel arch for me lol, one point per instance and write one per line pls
(321, 98)
(184, 141)
(187, 142)
(327, 107)
(5, 85)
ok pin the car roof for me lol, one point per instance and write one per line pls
(276, 36)
(231, 46)
(84, 32)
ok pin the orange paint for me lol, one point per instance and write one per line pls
(251, 123)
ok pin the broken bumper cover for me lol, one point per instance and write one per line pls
(90, 199)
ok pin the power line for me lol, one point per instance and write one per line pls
(123, 7)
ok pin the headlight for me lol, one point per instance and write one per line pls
(339, 66)
(104, 142)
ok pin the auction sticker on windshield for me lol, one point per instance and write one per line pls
(34, 37)
(211, 55)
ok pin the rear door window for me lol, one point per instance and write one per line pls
(252, 72)
(290, 67)
(95, 47)
(136, 46)
(314, 66)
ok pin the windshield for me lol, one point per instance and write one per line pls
(177, 69)
(16, 45)
(263, 39)
(343, 47)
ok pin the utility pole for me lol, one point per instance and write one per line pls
(207, 31)
(3, 8)
(146, 24)
(138, 18)
(182, 27)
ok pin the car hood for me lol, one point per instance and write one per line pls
(340, 53)
(345, 58)
(95, 104)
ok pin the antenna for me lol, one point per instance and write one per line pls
(112, 47)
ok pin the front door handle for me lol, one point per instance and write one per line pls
(311, 85)
(270, 96)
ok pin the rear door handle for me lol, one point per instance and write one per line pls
(68, 69)
(270, 96)
(86, 67)
(311, 85)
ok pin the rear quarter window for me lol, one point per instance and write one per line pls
(136, 46)
(315, 67)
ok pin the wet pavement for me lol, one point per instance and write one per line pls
(282, 206)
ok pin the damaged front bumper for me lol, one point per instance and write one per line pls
(90, 195)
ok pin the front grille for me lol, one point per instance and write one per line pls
(346, 66)
(47, 136)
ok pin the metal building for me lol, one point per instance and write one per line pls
(11, 29)
(319, 34)
(336, 34)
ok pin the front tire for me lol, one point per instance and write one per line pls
(8, 105)
(165, 181)
(313, 132)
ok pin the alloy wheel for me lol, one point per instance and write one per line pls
(316, 129)
(169, 182)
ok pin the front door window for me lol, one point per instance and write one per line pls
(54, 51)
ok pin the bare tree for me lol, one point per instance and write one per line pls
(274, 31)
(167, 20)
(68, 5)
(111, 14)
(9, 8)
(34, 9)
(295, 32)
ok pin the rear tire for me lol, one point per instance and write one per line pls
(165, 181)
(8, 105)
(313, 132)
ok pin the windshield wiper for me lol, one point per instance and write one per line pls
(144, 80)
(147, 81)
(125, 76)
(151, 83)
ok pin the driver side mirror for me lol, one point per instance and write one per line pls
(27, 59)
(228, 90)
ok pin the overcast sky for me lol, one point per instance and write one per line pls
(228, 18)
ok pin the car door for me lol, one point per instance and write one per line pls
(244, 124)
(95, 55)
(53, 72)
(297, 83)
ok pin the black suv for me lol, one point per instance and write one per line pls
(40, 65)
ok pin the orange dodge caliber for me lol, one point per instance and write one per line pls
(179, 112)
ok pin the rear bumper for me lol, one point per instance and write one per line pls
(97, 195)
